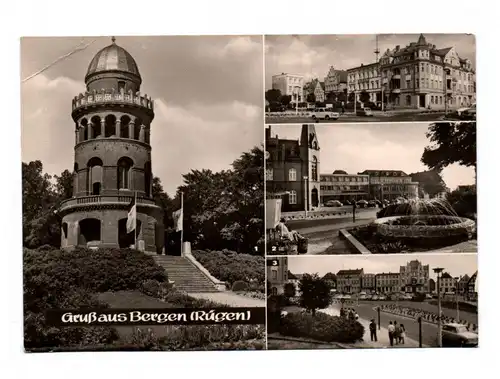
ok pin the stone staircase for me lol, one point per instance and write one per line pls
(186, 276)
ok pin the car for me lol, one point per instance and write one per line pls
(454, 334)
(364, 112)
(372, 204)
(375, 297)
(469, 114)
(428, 296)
(362, 203)
(324, 114)
(333, 203)
(347, 297)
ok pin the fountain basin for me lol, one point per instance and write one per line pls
(424, 226)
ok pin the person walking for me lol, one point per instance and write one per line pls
(402, 334)
(390, 329)
(397, 333)
(373, 330)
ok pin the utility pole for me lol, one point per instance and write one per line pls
(438, 271)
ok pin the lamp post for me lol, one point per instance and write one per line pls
(306, 195)
(438, 271)
(457, 279)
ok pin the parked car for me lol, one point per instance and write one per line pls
(372, 204)
(457, 335)
(362, 203)
(333, 203)
(324, 114)
(364, 112)
(469, 113)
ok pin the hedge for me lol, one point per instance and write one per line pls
(321, 327)
(229, 266)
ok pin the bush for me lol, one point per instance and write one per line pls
(183, 300)
(275, 304)
(321, 327)
(151, 287)
(240, 285)
(229, 266)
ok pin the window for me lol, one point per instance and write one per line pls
(292, 197)
(269, 174)
(94, 176)
(124, 170)
(314, 169)
(121, 86)
(274, 274)
(292, 175)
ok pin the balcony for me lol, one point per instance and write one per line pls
(98, 200)
(97, 98)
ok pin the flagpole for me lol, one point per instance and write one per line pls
(135, 220)
(182, 223)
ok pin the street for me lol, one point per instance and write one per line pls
(390, 116)
(323, 234)
(367, 311)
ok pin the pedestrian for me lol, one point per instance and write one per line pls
(373, 330)
(342, 312)
(397, 333)
(402, 335)
(390, 329)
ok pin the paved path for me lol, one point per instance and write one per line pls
(382, 334)
(464, 247)
(230, 298)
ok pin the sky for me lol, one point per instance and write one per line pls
(312, 55)
(454, 264)
(379, 146)
(207, 92)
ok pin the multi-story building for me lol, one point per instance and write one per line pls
(277, 274)
(319, 92)
(422, 76)
(368, 282)
(389, 282)
(463, 284)
(349, 281)
(391, 184)
(472, 288)
(292, 169)
(341, 186)
(447, 283)
(335, 81)
(365, 78)
(414, 277)
(290, 85)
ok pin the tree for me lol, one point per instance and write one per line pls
(331, 97)
(364, 97)
(273, 96)
(430, 182)
(289, 290)
(451, 143)
(285, 100)
(314, 293)
(64, 185)
(311, 97)
(464, 201)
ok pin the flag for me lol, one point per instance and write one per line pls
(178, 219)
(132, 216)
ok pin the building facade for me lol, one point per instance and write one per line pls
(391, 184)
(365, 78)
(368, 282)
(349, 281)
(290, 85)
(421, 75)
(472, 293)
(447, 283)
(335, 80)
(292, 169)
(463, 284)
(277, 274)
(387, 283)
(319, 92)
(112, 159)
(343, 186)
(414, 277)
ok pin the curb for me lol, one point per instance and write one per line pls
(353, 243)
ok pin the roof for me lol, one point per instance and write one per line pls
(362, 66)
(387, 273)
(357, 271)
(113, 58)
(446, 276)
(383, 173)
(291, 276)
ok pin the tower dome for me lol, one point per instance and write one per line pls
(113, 61)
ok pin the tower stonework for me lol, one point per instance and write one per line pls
(112, 159)
(309, 152)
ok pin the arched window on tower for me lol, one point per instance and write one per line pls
(94, 176)
(125, 121)
(314, 169)
(148, 178)
(124, 173)
(96, 126)
(84, 124)
(110, 126)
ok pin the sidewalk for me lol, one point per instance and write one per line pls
(382, 334)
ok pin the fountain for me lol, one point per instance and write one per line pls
(431, 221)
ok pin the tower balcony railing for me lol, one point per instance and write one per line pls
(103, 97)
(102, 199)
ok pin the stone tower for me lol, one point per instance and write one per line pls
(112, 159)
(309, 152)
